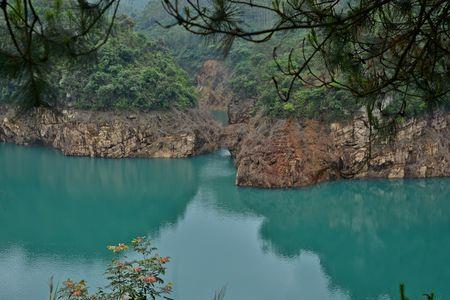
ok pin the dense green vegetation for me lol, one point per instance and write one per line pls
(253, 70)
(35, 36)
(126, 71)
(132, 72)
(390, 55)
(189, 51)
(252, 67)
(143, 71)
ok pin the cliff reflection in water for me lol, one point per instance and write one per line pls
(370, 235)
(335, 241)
(76, 206)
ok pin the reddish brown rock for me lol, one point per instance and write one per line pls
(293, 153)
(212, 84)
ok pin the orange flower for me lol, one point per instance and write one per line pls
(150, 279)
(164, 260)
(118, 248)
(68, 283)
(137, 270)
(76, 293)
(137, 241)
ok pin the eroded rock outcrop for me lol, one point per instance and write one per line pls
(216, 94)
(113, 134)
(240, 110)
(212, 84)
(420, 148)
(292, 153)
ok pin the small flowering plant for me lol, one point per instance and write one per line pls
(139, 278)
(74, 290)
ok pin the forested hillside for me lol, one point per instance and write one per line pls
(145, 70)
(253, 68)
(252, 65)
(130, 71)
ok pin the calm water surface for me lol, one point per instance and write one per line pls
(341, 240)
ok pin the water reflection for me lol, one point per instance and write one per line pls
(370, 235)
(343, 240)
(75, 206)
(227, 250)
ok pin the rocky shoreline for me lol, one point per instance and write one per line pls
(285, 153)
(268, 153)
(169, 134)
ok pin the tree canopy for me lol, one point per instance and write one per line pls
(35, 34)
(130, 71)
(85, 54)
(378, 50)
(391, 55)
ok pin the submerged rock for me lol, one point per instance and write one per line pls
(173, 133)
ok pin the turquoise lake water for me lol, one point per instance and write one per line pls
(339, 240)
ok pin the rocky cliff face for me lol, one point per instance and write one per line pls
(216, 94)
(293, 153)
(268, 152)
(107, 134)
(420, 148)
(240, 110)
(212, 84)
